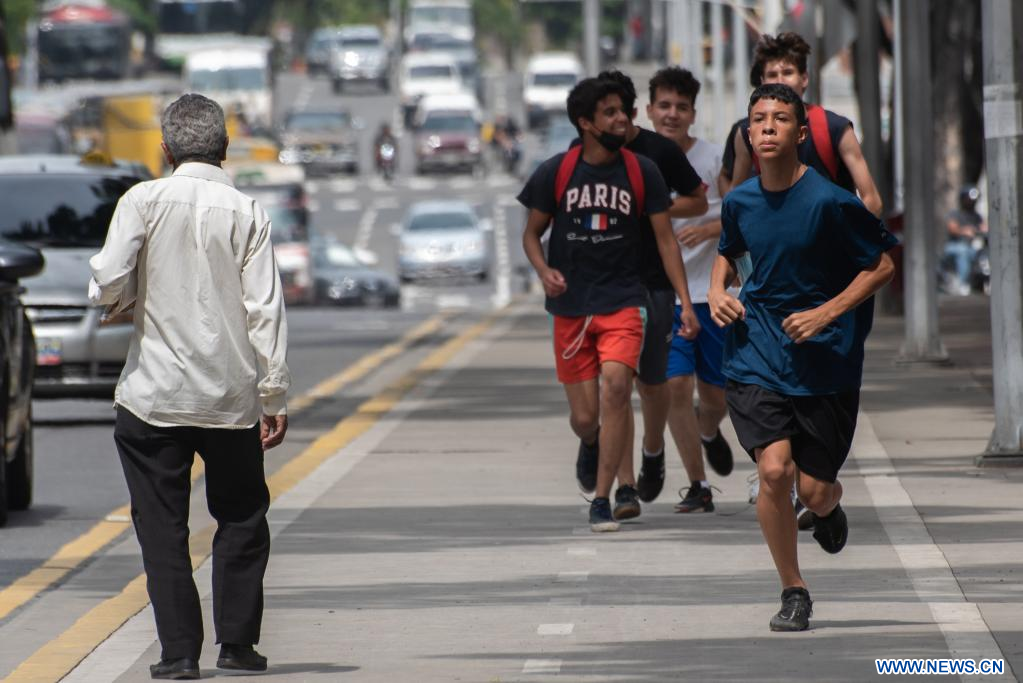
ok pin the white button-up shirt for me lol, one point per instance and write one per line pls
(193, 255)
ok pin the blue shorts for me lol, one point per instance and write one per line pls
(702, 355)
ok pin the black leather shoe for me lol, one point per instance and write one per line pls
(240, 658)
(175, 669)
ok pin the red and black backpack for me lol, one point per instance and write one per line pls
(632, 169)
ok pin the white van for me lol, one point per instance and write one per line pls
(238, 78)
(549, 77)
(426, 73)
(453, 17)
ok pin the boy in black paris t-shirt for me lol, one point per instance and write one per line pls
(596, 195)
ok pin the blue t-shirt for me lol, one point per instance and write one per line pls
(806, 244)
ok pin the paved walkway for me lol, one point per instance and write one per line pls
(448, 543)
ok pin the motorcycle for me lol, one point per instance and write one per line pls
(979, 279)
(387, 155)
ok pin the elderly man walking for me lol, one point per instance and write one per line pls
(205, 374)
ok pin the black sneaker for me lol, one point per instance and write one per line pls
(804, 516)
(240, 658)
(795, 612)
(651, 477)
(600, 516)
(832, 531)
(719, 454)
(586, 466)
(175, 670)
(626, 503)
(696, 499)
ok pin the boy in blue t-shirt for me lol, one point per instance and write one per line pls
(794, 349)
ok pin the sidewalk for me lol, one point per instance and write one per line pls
(448, 543)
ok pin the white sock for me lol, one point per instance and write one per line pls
(704, 484)
(648, 454)
(708, 439)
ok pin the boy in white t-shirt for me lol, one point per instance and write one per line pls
(672, 110)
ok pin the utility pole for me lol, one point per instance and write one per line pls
(1002, 22)
(740, 60)
(717, 62)
(591, 36)
(868, 93)
(922, 343)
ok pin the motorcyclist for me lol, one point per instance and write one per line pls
(963, 225)
(384, 136)
(507, 140)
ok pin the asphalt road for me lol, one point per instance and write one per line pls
(78, 477)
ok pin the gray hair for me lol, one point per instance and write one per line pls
(193, 129)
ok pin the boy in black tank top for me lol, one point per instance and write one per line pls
(594, 199)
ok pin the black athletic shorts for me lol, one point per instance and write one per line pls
(820, 427)
(660, 317)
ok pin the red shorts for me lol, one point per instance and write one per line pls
(582, 344)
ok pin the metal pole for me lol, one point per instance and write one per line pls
(868, 66)
(922, 343)
(898, 149)
(717, 129)
(657, 37)
(696, 38)
(740, 58)
(1002, 22)
(591, 36)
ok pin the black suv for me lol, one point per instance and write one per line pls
(18, 354)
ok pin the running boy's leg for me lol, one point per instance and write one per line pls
(584, 409)
(774, 509)
(615, 404)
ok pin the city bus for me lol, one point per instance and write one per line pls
(83, 41)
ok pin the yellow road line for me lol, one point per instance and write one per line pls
(57, 658)
(77, 551)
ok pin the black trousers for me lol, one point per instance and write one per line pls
(157, 462)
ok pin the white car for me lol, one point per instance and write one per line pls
(453, 17)
(443, 238)
(237, 78)
(548, 79)
(425, 74)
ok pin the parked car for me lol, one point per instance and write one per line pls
(341, 277)
(62, 205)
(360, 55)
(548, 79)
(448, 134)
(443, 238)
(18, 351)
(323, 141)
(280, 191)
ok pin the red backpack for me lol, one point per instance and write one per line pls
(821, 136)
(571, 159)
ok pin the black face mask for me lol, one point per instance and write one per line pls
(610, 141)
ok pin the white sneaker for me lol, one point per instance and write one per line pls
(754, 487)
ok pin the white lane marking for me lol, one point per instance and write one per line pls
(581, 531)
(502, 295)
(313, 205)
(461, 183)
(542, 666)
(555, 629)
(114, 656)
(349, 204)
(966, 633)
(583, 551)
(417, 183)
(572, 577)
(365, 230)
(565, 602)
(390, 202)
(312, 187)
(456, 301)
(305, 93)
(343, 185)
(378, 184)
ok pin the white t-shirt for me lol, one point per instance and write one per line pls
(706, 160)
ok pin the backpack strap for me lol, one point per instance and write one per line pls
(565, 170)
(635, 174)
(818, 120)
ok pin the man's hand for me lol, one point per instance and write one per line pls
(725, 309)
(805, 324)
(554, 284)
(690, 323)
(272, 429)
(694, 235)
